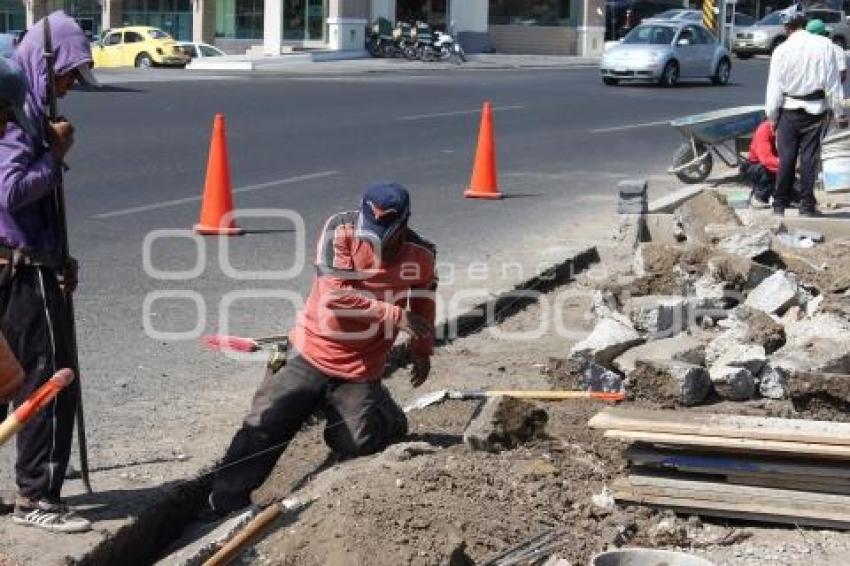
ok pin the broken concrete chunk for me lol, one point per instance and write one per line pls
(733, 383)
(502, 423)
(668, 203)
(581, 373)
(659, 316)
(775, 294)
(681, 348)
(749, 356)
(676, 383)
(712, 297)
(751, 326)
(750, 244)
(821, 326)
(609, 339)
(709, 207)
(773, 383)
(829, 356)
(737, 272)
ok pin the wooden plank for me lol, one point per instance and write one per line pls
(690, 460)
(754, 496)
(727, 426)
(733, 444)
(781, 482)
(741, 511)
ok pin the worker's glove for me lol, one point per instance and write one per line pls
(419, 371)
(70, 275)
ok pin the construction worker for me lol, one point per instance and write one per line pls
(803, 85)
(33, 278)
(817, 27)
(761, 166)
(375, 277)
(13, 93)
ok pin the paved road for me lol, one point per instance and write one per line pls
(310, 145)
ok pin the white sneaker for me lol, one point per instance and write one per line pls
(54, 517)
(756, 202)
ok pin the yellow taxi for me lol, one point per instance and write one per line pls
(137, 46)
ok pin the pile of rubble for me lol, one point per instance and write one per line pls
(726, 310)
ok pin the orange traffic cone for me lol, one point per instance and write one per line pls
(484, 183)
(217, 206)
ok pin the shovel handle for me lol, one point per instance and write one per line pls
(555, 395)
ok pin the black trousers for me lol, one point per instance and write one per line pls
(361, 417)
(762, 181)
(798, 134)
(35, 322)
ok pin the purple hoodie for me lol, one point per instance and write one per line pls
(29, 174)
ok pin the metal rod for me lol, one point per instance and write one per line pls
(67, 294)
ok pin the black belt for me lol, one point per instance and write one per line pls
(32, 258)
(811, 97)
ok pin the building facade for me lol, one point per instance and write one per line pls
(571, 27)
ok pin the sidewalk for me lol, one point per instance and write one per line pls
(359, 62)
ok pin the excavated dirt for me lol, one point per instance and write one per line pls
(825, 267)
(447, 504)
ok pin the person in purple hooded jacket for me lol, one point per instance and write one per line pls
(33, 314)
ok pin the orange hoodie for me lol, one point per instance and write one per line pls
(350, 320)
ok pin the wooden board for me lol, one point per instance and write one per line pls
(733, 444)
(741, 502)
(741, 511)
(690, 460)
(725, 426)
(782, 482)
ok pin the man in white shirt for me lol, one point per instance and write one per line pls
(803, 86)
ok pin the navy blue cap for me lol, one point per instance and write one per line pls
(384, 209)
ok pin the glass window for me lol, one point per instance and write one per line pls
(704, 36)
(239, 19)
(774, 19)
(651, 35)
(133, 37)
(208, 51)
(190, 50)
(112, 39)
(530, 12)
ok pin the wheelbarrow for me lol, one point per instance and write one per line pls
(723, 133)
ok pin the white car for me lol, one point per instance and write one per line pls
(196, 50)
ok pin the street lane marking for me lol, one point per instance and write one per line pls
(456, 113)
(631, 127)
(245, 189)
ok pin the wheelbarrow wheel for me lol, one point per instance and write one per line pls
(698, 171)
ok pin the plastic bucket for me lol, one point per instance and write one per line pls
(835, 162)
(11, 374)
(647, 557)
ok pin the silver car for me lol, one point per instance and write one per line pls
(664, 52)
(761, 38)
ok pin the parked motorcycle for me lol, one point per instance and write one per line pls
(446, 48)
(380, 42)
(437, 45)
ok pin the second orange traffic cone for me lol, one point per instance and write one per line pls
(484, 182)
(217, 206)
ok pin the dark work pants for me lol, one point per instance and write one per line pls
(362, 419)
(762, 181)
(35, 322)
(798, 133)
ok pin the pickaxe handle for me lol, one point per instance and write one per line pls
(247, 536)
